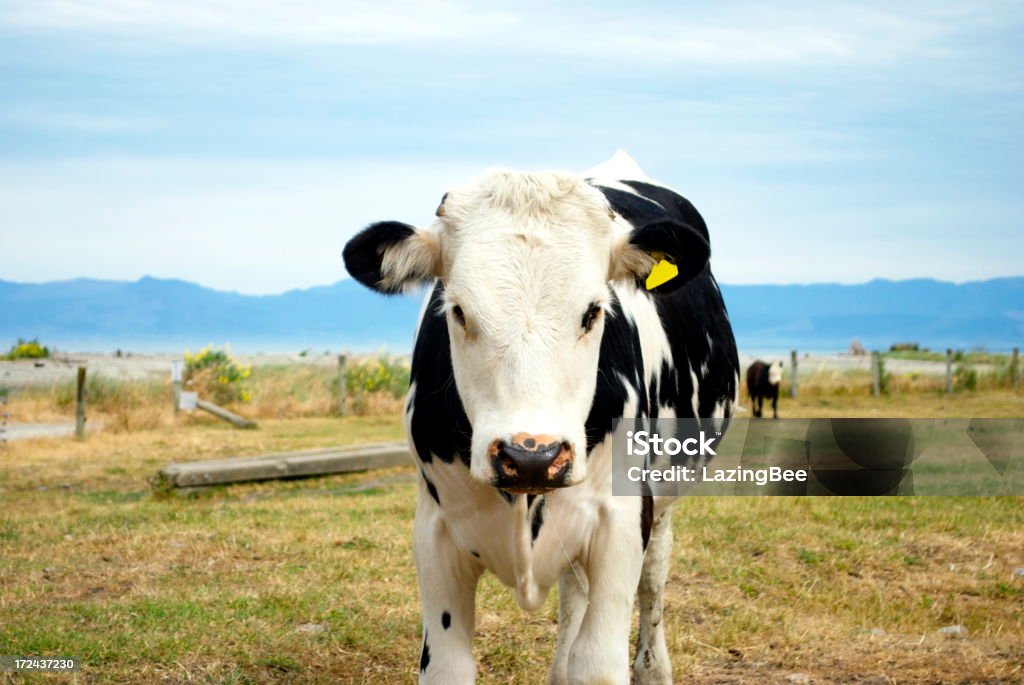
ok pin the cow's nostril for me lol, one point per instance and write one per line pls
(508, 466)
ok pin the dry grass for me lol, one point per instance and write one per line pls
(823, 381)
(213, 588)
(996, 404)
(277, 392)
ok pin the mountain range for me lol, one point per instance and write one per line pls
(164, 315)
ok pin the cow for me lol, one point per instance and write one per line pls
(537, 333)
(763, 383)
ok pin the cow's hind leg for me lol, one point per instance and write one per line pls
(572, 605)
(448, 579)
(652, 665)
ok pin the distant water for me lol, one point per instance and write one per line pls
(331, 345)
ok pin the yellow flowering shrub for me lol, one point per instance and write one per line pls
(26, 349)
(217, 376)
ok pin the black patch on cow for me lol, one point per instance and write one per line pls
(446, 620)
(537, 521)
(690, 316)
(619, 358)
(646, 519)
(425, 654)
(507, 496)
(430, 488)
(365, 251)
(439, 423)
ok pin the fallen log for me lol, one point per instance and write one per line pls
(222, 413)
(301, 464)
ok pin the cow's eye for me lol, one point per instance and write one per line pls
(459, 315)
(591, 316)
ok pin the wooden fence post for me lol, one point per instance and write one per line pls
(3, 415)
(80, 405)
(1014, 363)
(876, 374)
(795, 382)
(341, 384)
(176, 383)
(949, 370)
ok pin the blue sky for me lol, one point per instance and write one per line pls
(239, 143)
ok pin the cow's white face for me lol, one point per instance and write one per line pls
(526, 295)
(775, 373)
(525, 261)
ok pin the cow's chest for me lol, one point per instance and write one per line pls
(528, 540)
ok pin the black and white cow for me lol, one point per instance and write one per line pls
(763, 384)
(538, 332)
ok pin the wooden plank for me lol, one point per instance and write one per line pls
(222, 413)
(305, 463)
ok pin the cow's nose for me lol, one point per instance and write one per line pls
(531, 463)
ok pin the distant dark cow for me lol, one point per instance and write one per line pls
(537, 334)
(763, 383)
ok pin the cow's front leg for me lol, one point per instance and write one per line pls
(448, 579)
(652, 665)
(600, 653)
(572, 605)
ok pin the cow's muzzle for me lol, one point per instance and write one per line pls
(531, 463)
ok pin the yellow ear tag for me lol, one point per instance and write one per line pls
(663, 272)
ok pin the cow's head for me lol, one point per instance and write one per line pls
(526, 262)
(775, 373)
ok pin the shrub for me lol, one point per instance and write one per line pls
(966, 377)
(217, 376)
(119, 405)
(376, 385)
(377, 375)
(27, 349)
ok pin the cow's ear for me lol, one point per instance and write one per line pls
(391, 257)
(682, 246)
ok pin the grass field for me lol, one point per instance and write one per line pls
(312, 580)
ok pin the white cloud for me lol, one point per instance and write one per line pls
(732, 33)
(351, 22)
